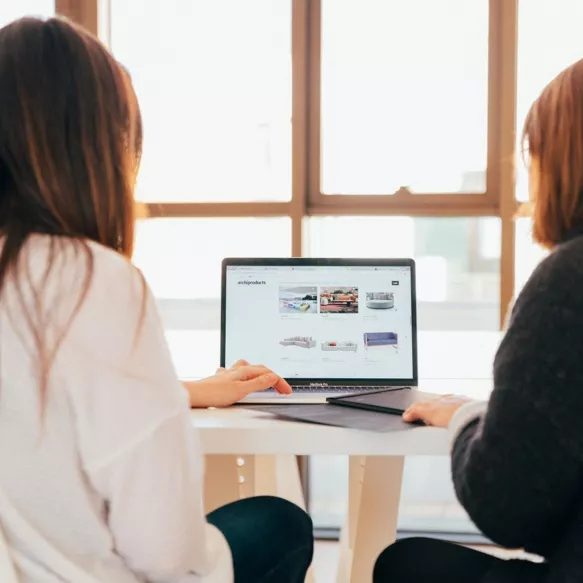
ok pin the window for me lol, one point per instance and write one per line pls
(181, 261)
(340, 128)
(557, 23)
(181, 258)
(10, 11)
(458, 261)
(214, 84)
(404, 102)
(217, 131)
(538, 62)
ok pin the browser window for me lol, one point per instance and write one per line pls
(321, 321)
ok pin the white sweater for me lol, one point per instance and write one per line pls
(109, 476)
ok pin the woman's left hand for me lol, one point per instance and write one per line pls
(436, 412)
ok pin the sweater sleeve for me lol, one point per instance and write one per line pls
(517, 468)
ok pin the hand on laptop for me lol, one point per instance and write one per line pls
(437, 412)
(230, 385)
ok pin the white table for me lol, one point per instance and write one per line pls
(252, 453)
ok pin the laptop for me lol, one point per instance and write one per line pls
(330, 327)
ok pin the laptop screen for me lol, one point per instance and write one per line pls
(323, 321)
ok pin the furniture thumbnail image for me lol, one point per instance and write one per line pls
(301, 341)
(380, 339)
(340, 346)
(297, 306)
(294, 299)
(340, 300)
(380, 300)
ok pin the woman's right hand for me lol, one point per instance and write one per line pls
(436, 412)
(230, 385)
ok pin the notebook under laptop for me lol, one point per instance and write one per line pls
(330, 327)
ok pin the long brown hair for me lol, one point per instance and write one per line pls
(70, 143)
(553, 137)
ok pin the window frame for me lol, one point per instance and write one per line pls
(402, 199)
(307, 198)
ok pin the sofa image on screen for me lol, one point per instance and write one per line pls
(380, 300)
(332, 345)
(302, 341)
(297, 306)
(339, 300)
(298, 299)
(380, 339)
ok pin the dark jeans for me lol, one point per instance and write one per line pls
(271, 539)
(423, 560)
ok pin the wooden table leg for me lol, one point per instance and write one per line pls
(221, 481)
(371, 522)
(230, 477)
(278, 476)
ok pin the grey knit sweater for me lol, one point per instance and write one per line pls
(518, 471)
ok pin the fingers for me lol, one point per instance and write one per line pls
(282, 386)
(240, 362)
(410, 414)
(249, 373)
(418, 412)
(258, 383)
(435, 412)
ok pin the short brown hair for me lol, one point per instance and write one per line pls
(553, 135)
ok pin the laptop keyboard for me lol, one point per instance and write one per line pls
(341, 389)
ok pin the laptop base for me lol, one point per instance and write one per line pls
(308, 396)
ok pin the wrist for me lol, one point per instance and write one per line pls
(467, 413)
(193, 388)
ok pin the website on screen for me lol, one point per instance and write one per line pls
(321, 321)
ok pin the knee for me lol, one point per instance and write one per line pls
(397, 562)
(287, 519)
(282, 518)
(290, 527)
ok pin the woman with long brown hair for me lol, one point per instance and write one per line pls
(517, 461)
(100, 469)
